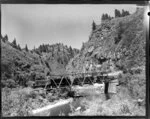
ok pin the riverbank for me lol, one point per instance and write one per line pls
(88, 99)
(120, 104)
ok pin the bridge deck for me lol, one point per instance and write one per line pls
(60, 81)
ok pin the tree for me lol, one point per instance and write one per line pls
(14, 43)
(34, 49)
(102, 18)
(106, 17)
(58, 48)
(1, 36)
(5, 38)
(19, 48)
(26, 48)
(71, 50)
(93, 26)
(117, 13)
(119, 34)
(125, 13)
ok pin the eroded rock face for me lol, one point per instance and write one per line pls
(117, 43)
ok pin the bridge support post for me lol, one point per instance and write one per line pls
(54, 82)
(106, 90)
(60, 82)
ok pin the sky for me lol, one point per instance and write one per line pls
(35, 24)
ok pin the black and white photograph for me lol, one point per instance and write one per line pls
(73, 60)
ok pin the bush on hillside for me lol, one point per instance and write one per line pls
(10, 83)
(30, 83)
(120, 31)
(135, 84)
(14, 104)
(93, 26)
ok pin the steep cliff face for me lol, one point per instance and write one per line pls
(118, 43)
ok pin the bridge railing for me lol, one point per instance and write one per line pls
(79, 78)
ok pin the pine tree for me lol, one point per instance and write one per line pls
(71, 51)
(34, 48)
(58, 48)
(102, 17)
(14, 42)
(18, 47)
(127, 13)
(5, 38)
(117, 13)
(1, 36)
(93, 26)
(106, 17)
(123, 13)
(44, 48)
(26, 48)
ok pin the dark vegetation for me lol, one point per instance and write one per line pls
(93, 26)
(117, 14)
(21, 67)
(134, 81)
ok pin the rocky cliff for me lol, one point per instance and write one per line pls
(114, 44)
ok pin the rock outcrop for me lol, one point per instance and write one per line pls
(114, 44)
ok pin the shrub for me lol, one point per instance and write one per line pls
(30, 83)
(138, 71)
(3, 83)
(14, 103)
(124, 109)
(33, 94)
(135, 84)
(50, 97)
(10, 83)
(93, 26)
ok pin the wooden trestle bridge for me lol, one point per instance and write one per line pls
(69, 80)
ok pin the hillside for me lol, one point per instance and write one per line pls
(21, 65)
(117, 44)
(56, 56)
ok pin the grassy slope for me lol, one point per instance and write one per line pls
(13, 60)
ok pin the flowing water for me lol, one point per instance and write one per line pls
(77, 103)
